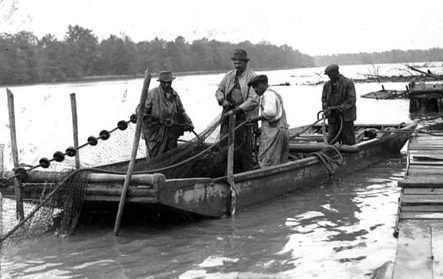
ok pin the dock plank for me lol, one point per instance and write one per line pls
(423, 191)
(422, 208)
(421, 199)
(413, 256)
(434, 181)
(421, 215)
(427, 162)
(437, 250)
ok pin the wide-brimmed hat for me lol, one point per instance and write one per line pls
(258, 79)
(165, 76)
(240, 54)
(330, 68)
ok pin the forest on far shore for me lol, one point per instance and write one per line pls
(24, 58)
(391, 56)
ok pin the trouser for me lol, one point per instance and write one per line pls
(155, 148)
(346, 136)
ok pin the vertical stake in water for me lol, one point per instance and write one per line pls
(18, 193)
(230, 165)
(75, 129)
(1, 197)
(138, 127)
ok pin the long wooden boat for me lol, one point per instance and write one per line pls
(211, 196)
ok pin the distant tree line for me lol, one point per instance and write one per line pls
(24, 58)
(392, 56)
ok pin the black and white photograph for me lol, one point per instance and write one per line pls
(221, 139)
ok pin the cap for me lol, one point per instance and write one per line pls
(258, 79)
(330, 68)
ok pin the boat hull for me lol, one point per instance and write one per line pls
(212, 197)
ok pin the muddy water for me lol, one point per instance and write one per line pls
(343, 231)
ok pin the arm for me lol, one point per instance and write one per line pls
(269, 105)
(324, 100)
(251, 101)
(220, 93)
(350, 97)
(183, 116)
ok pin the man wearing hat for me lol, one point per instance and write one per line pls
(274, 138)
(338, 102)
(236, 97)
(164, 117)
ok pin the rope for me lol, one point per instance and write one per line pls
(328, 161)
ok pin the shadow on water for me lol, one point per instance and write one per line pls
(342, 231)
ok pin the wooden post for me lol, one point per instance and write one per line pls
(17, 184)
(230, 165)
(138, 127)
(75, 129)
(2, 147)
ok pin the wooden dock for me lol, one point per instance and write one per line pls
(420, 216)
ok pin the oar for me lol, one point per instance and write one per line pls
(138, 126)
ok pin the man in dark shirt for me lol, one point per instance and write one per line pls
(338, 102)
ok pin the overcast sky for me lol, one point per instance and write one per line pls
(314, 27)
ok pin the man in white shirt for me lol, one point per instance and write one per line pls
(274, 138)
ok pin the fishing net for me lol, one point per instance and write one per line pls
(57, 206)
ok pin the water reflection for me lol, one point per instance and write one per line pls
(343, 231)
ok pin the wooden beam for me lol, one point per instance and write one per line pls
(434, 181)
(421, 199)
(422, 208)
(413, 258)
(75, 129)
(421, 215)
(18, 195)
(437, 250)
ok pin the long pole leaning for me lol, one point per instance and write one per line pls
(138, 127)
(75, 128)
(230, 164)
(18, 193)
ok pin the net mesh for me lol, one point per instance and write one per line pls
(57, 206)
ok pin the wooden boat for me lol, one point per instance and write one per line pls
(211, 196)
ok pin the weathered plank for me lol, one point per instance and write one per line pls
(414, 171)
(421, 199)
(434, 181)
(421, 215)
(428, 162)
(423, 191)
(437, 250)
(413, 256)
(422, 208)
(427, 157)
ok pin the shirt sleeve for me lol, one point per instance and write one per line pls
(220, 93)
(269, 105)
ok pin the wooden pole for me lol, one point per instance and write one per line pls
(1, 197)
(17, 184)
(138, 127)
(75, 129)
(230, 165)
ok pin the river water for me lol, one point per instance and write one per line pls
(342, 231)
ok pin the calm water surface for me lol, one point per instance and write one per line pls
(342, 231)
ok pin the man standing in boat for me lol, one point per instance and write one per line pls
(164, 117)
(236, 97)
(338, 102)
(274, 138)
